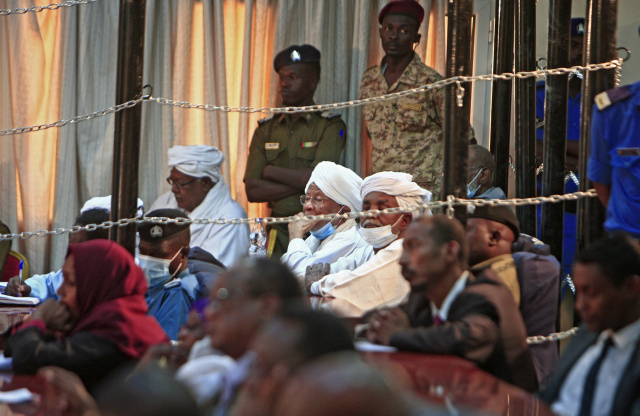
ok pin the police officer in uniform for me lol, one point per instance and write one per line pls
(286, 147)
(614, 163)
(164, 249)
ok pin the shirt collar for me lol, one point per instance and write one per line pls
(458, 287)
(303, 116)
(624, 336)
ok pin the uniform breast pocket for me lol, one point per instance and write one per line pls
(308, 153)
(628, 159)
(272, 154)
(412, 114)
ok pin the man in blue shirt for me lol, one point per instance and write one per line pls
(164, 250)
(614, 164)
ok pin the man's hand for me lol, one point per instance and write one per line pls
(15, 288)
(314, 273)
(65, 394)
(55, 315)
(385, 323)
(297, 229)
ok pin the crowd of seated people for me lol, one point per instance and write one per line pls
(246, 339)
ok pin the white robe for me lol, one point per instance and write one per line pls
(226, 242)
(302, 253)
(376, 283)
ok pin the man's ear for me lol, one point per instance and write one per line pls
(452, 250)
(184, 251)
(485, 176)
(633, 286)
(407, 217)
(494, 237)
(417, 41)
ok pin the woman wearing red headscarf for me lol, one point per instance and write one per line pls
(100, 322)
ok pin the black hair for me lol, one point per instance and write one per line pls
(444, 229)
(94, 216)
(319, 333)
(263, 276)
(617, 256)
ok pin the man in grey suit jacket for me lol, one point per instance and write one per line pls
(599, 373)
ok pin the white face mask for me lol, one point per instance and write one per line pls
(379, 237)
(157, 270)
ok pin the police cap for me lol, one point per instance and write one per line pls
(296, 54)
(154, 233)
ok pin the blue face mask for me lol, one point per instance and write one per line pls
(326, 230)
(471, 188)
(157, 270)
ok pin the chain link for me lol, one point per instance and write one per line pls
(568, 281)
(312, 108)
(73, 120)
(448, 204)
(555, 336)
(52, 6)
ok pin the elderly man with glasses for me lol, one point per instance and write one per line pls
(198, 189)
(332, 189)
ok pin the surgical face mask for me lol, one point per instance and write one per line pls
(473, 187)
(379, 237)
(157, 270)
(327, 229)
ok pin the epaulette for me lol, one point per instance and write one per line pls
(329, 115)
(607, 98)
(172, 284)
(264, 120)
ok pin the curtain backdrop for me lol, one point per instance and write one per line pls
(58, 64)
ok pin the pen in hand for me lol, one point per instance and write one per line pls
(20, 275)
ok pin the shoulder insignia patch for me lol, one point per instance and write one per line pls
(329, 115)
(264, 120)
(607, 98)
(172, 284)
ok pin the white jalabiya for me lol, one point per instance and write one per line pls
(376, 283)
(302, 253)
(226, 242)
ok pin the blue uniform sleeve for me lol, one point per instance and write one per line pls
(539, 108)
(45, 286)
(599, 167)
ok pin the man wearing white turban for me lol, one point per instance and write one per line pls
(332, 189)
(368, 279)
(197, 188)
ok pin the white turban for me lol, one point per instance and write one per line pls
(197, 161)
(104, 202)
(338, 183)
(396, 184)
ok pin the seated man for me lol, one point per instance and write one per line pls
(164, 249)
(365, 282)
(332, 189)
(532, 278)
(481, 173)
(450, 311)
(45, 286)
(599, 371)
(198, 188)
(294, 338)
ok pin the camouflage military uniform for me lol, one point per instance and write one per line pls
(406, 132)
(291, 143)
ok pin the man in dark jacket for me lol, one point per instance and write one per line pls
(450, 311)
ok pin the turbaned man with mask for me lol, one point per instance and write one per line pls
(371, 277)
(164, 249)
(332, 189)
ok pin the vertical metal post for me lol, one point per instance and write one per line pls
(501, 91)
(525, 113)
(555, 123)
(126, 151)
(599, 46)
(456, 124)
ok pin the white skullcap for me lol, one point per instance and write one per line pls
(338, 183)
(104, 202)
(396, 184)
(197, 161)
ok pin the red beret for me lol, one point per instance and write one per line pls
(407, 7)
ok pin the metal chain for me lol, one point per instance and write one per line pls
(355, 103)
(73, 120)
(618, 73)
(568, 281)
(448, 204)
(555, 336)
(52, 6)
(312, 108)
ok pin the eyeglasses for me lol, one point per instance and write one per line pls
(318, 201)
(178, 184)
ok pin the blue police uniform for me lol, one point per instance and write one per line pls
(171, 302)
(573, 133)
(615, 155)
